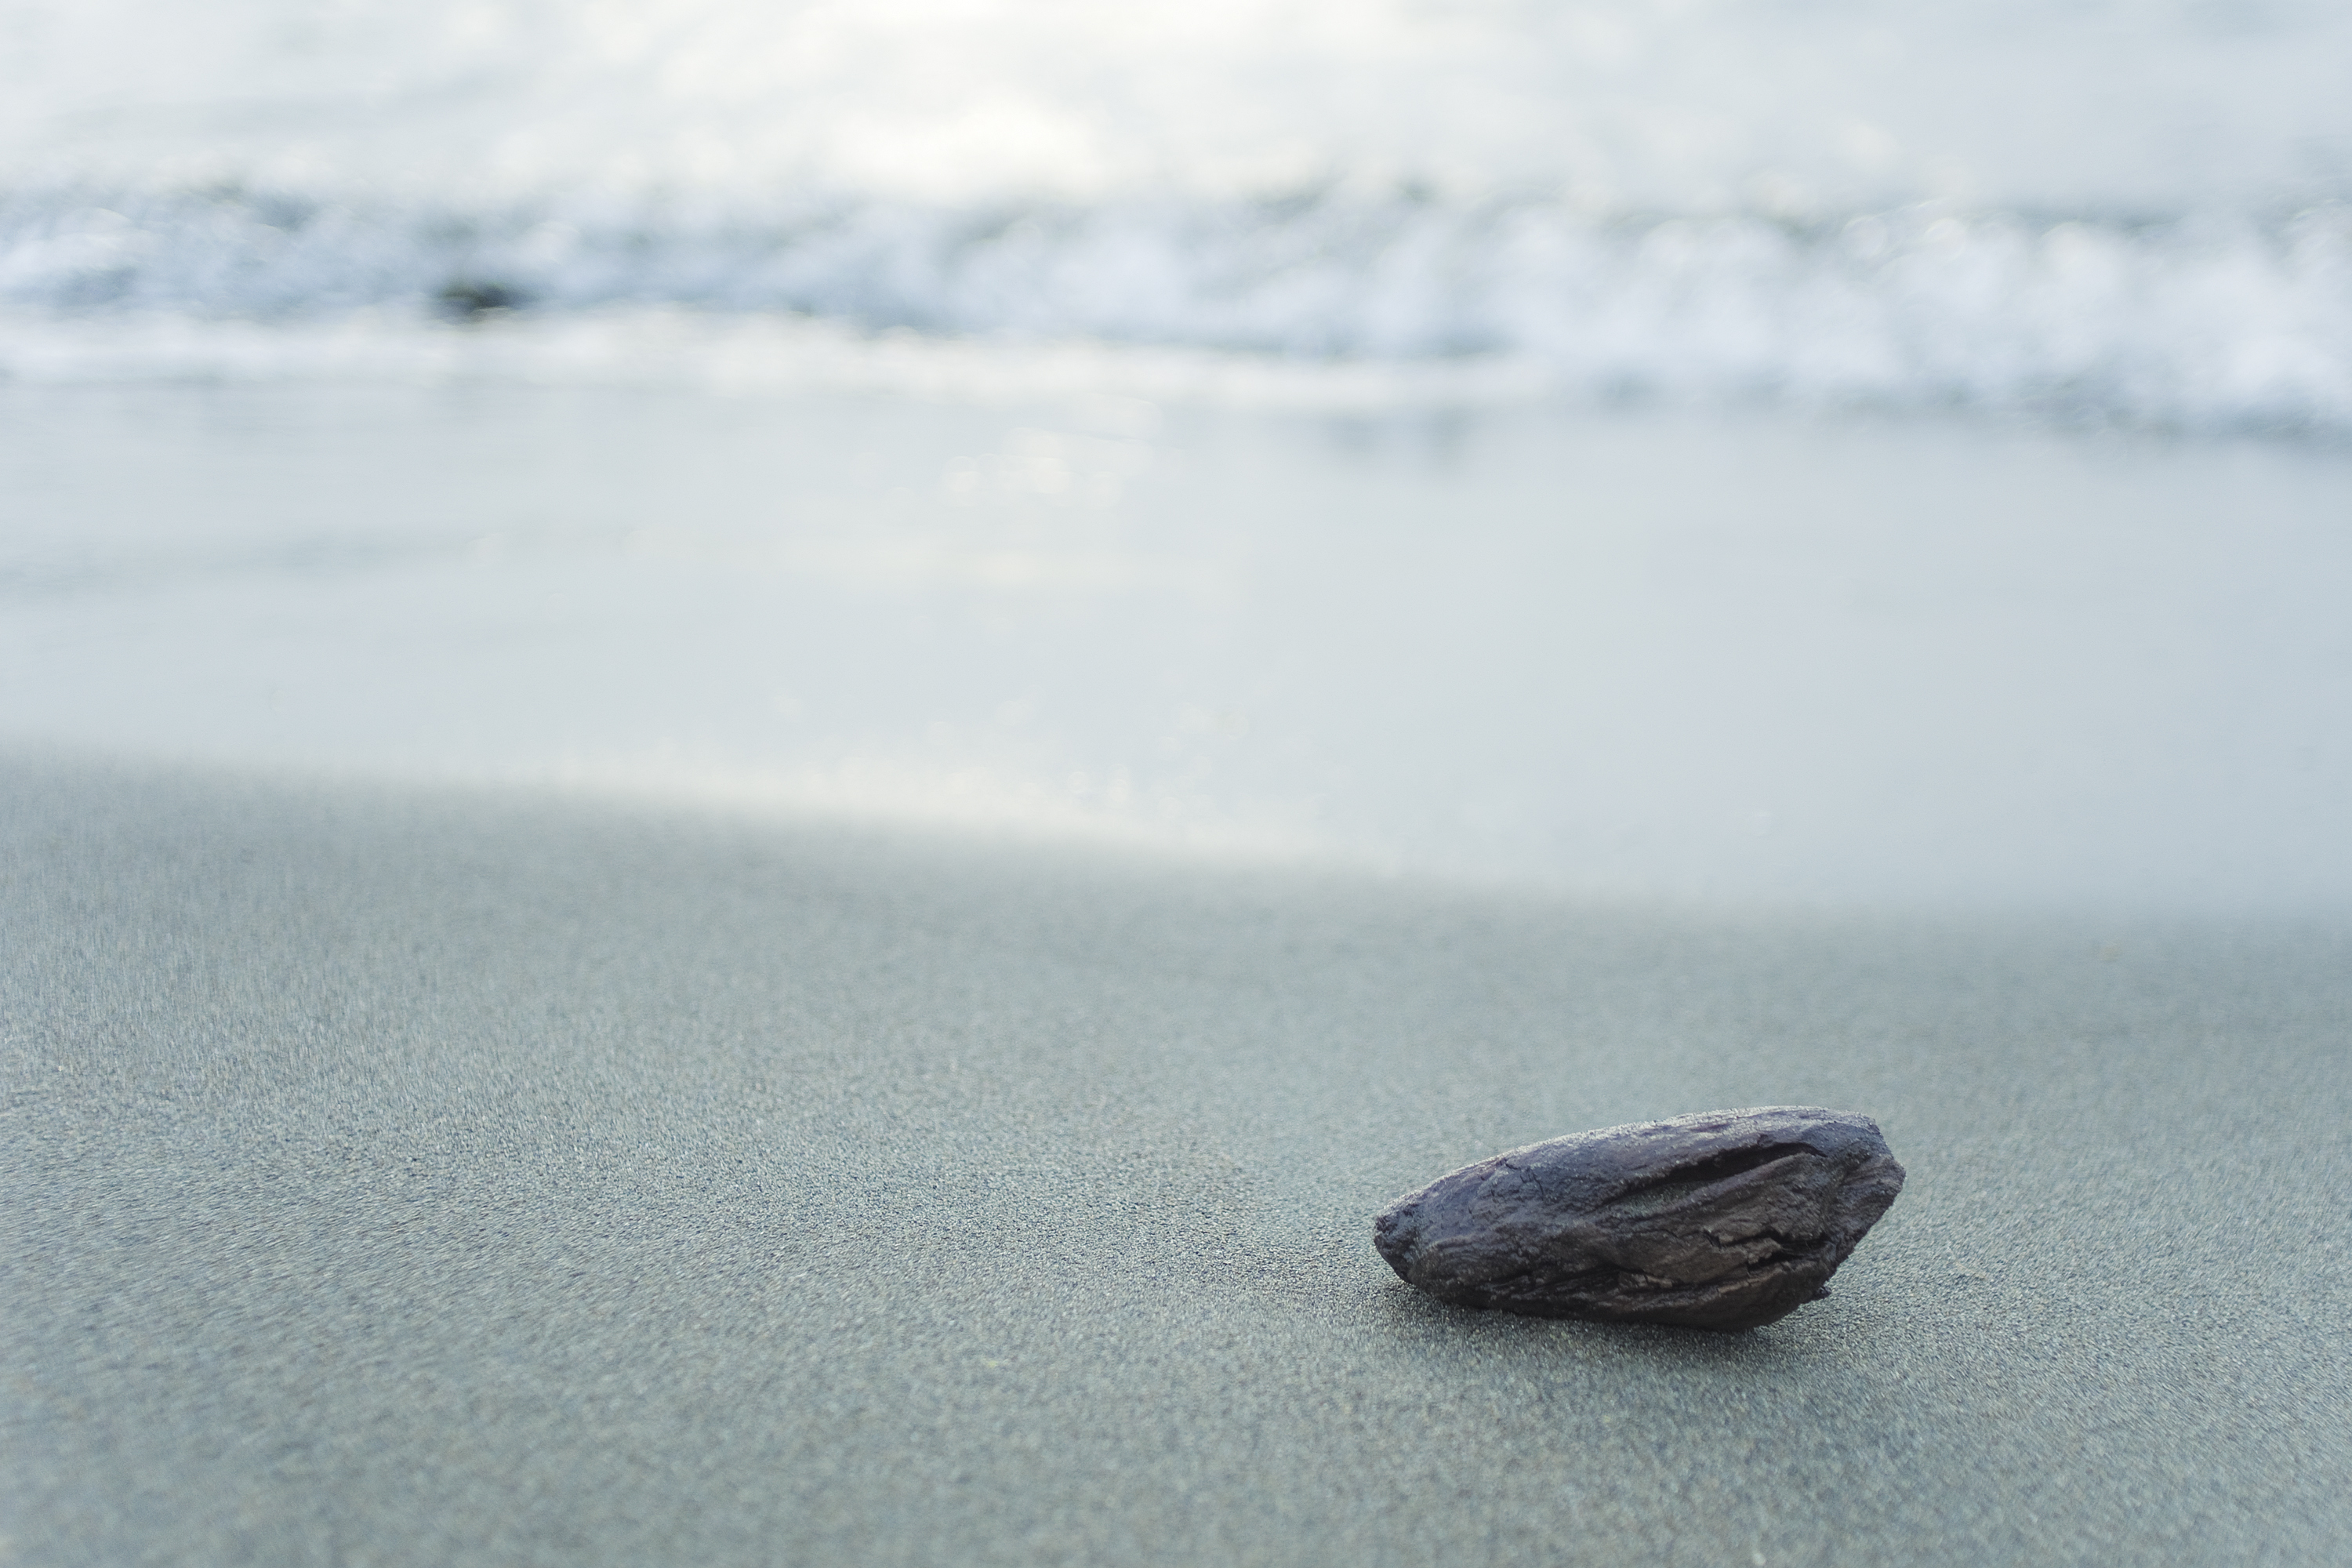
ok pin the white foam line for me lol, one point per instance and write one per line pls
(748, 353)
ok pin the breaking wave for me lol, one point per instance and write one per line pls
(2130, 210)
(2191, 322)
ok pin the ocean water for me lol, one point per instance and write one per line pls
(1755, 451)
(2112, 211)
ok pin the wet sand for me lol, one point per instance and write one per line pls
(1729, 658)
(442, 1178)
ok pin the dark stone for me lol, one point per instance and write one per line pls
(1723, 1220)
(469, 301)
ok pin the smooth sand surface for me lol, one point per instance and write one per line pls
(442, 1180)
(1748, 657)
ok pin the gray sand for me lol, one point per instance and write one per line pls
(447, 1180)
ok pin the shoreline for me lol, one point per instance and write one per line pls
(1730, 662)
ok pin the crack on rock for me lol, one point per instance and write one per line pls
(1685, 1180)
(1792, 1249)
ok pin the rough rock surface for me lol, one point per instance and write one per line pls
(1722, 1220)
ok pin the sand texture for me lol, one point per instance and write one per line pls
(447, 1180)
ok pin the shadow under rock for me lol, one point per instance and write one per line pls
(1413, 1321)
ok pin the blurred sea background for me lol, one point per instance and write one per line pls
(1720, 449)
(2130, 210)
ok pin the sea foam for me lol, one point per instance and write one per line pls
(2122, 213)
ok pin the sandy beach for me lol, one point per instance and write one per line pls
(761, 764)
(434, 1177)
